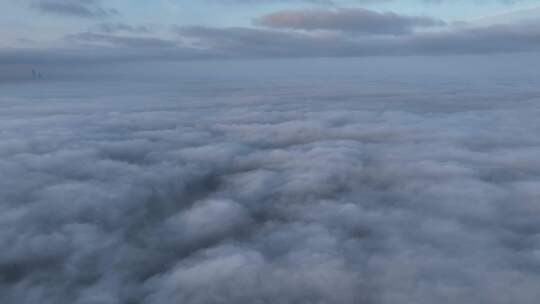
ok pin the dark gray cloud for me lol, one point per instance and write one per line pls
(490, 39)
(351, 20)
(122, 41)
(237, 42)
(117, 27)
(76, 8)
(354, 186)
(466, 40)
(121, 44)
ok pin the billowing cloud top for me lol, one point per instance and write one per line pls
(377, 181)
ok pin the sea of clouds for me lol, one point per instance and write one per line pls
(374, 189)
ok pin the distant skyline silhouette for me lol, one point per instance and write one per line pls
(36, 74)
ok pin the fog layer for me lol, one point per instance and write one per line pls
(389, 186)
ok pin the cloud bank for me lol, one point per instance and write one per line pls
(196, 191)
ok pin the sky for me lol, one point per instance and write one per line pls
(78, 32)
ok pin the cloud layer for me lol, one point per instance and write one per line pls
(271, 189)
(74, 8)
(284, 34)
(348, 20)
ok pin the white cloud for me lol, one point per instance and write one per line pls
(267, 189)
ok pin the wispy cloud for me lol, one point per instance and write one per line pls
(75, 8)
